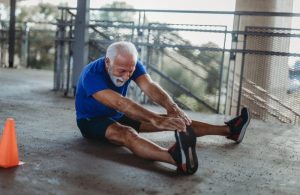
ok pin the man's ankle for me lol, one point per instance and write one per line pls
(171, 160)
(228, 130)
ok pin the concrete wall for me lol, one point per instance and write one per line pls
(268, 72)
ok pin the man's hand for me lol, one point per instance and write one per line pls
(169, 123)
(160, 96)
(175, 111)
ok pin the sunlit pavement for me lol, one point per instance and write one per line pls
(59, 161)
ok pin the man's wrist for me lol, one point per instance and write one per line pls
(153, 119)
(172, 107)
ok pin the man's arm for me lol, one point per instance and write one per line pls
(135, 111)
(161, 97)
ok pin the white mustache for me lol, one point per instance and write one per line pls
(119, 80)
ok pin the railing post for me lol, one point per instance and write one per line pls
(12, 33)
(24, 46)
(241, 76)
(221, 73)
(70, 56)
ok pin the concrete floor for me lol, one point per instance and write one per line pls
(59, 161)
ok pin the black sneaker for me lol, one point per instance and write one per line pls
(184, 153)
(238, 126)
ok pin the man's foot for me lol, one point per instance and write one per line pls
(238, 125)
(183, 151)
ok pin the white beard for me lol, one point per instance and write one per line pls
(117, 81)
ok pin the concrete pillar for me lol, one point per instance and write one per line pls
(81, 43)
(266, 71)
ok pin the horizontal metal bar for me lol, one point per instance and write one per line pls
(265, 34)
(254, 33)
(249, 13)
(113, 21)
(198, 30)
(271, 28)
(155, 28)
(246, 51)
(65, 39)
(145, 27)
(198, 25)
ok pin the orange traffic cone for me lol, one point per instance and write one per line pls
(9, 156)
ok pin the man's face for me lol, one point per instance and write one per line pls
(120, 69)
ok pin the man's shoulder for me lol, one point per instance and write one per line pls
(96, 66)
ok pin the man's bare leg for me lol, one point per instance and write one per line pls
(128, 137)
(200, 128)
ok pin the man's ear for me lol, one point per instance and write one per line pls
(107, 62)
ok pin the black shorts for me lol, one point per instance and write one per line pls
(95, 128)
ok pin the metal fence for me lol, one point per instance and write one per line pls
(256, 72)
(34, 47)
(241, 66)
(270, 84)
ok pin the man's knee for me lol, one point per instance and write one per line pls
(121, 135)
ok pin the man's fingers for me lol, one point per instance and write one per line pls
(176, 123)
(186, 119)
(172, 123)
(180, 124)
(189, 121)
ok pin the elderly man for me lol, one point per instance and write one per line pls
(104, 112)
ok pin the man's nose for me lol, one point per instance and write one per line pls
(126, 76)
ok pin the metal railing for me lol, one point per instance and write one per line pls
(158, 42)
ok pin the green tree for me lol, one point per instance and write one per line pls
(44, 12)
(186, 80)
(204, 88)
(41, 36)
(109, 33)
(41, 51)
(176, 73)
(208, 57)
(212, 80)
(116, 15)
(212, 61)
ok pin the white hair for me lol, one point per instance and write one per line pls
(123, 48)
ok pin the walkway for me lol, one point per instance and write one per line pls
(59, 161)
